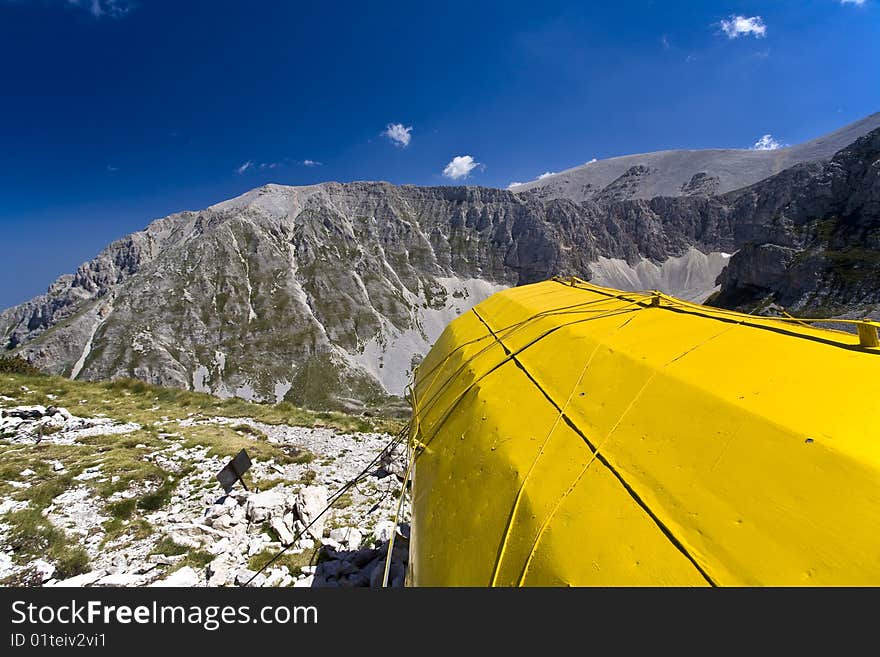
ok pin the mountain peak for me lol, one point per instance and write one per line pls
(732, 168)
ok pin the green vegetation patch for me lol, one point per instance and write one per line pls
(294, 562)
(131, 400)
(33, 536)
(18, 365)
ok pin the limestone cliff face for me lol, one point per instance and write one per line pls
(325, 295)
(819, 251)
(328, 295)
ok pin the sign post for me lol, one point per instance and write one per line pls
(234, 470)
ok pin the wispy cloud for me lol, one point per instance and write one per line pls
(664, 41)
(767, 143)
(546, 174)
(460, 167)
(740, 26)
(112, 169)
(103, 8)
(251, 165)
(398, 134)
(857, 3)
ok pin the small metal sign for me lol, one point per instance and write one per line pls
(234, 470)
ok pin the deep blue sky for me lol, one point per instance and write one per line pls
(114, 113)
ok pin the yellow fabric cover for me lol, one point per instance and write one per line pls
(567, 434)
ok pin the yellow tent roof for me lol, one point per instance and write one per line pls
(568, 434)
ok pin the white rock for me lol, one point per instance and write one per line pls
(331, 543)
(383, 530)
(57, 466)
(120, 563)
(87, 476)
(304, 583)
(163, 560)
(220, 571)
(185, 541)
(44, 568)
(310, 502)
(10, 506)
(186, 577)
(278, 576)
(255, 546)
(354, 539)
(120, 579)
(8, 423)
(243, 576)
(284, 534)
(6, 566)
(217, 511)
(348, 536)
(223, 523)
(27, 472)
(260, 506)
(81, 580)
(237, 515)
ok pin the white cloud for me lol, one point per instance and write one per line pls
(311, 163)
(112, 169)
(858, 3)
(767, 143)
(664, 41)
(546, 174)
(591, 161)
(514, 184)
(99, 8)
(270, 165)
(244, 167)
(737, 26)
(398, 134)
(460, 167)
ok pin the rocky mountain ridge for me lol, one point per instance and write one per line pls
(328, 295)
(688, 172)
(342, 284)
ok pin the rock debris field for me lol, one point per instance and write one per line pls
(105, 525)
